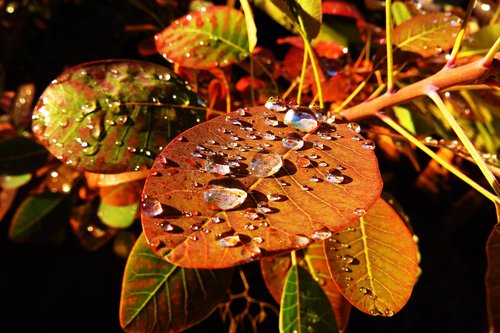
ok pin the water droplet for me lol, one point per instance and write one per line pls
(251, 214)
(305, 188)
(318, 145)
(223, 198)
(431, 141)
(347, 259)
(165, 226)
(334, 176)
(322, 164)
(356, 138)
(251, 136)
(388, 313)
(263, 208)
(265, 165)
(217, 165)
(293, 141)
(275, 197)
(230, 241)
(302, 121)
(232, 121)
(321, 234)
(269, 135)
(354, 127)
(240, 112)
(314, 179)
(364, 290)
(264, 224)
(151, 207)
(88, 107)
(271, 122)
(217, 219)
(250, 227)
(300, 241)
(194, 238)
(276, 104)
(368, 144)
(314, 157)
(359, 212)
(258, 239)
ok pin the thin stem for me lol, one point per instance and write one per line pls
(488, 58)
(290, 88)
(495, 16)
(302, 76)
(293, 255)
(310, 265)
(465, 141)
(351, 96)
(265, 70)
(388, 43)
(386, 119)
(252, 80)
(458, 41)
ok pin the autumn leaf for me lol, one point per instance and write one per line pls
(160, 297)
(374, 261)
(238, 187)
(113, 116)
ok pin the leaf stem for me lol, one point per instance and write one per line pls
(293, 255)
(302, 76)
(351, 96)
(495, 16)
(465, 141)
(252, 80)
(452, 58)
(488, 58)
(386, 119)
(388, 43)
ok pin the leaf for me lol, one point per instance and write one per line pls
(95, 180)
(400, 12)
(304, 305)
(405, 118)
(250, 24)
(22, 106)
(117, 216)
(342, 8)
(62, 179)
(35, 217)
(427, 34)
(119, 204)
(19, 155)
(160, 297)
(91, 233)
(374, 261)
(493, 279)
(113, 116)
(8, 182)
(275, 269)
(298, 192)
(212, 37)
(287, 13)
(484, 38)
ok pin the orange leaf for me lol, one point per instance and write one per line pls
(228, 191)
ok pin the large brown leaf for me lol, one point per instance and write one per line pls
(493, 278)
(296, 203)
(275, 270)
(374, 261)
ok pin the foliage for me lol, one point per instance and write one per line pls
(221, 175)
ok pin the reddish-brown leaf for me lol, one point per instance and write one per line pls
(493, 278)
(91, 233)
(123, 194)
(95, 180)
(295, 203)
(342, 8)
(374, 261)
(275, 270)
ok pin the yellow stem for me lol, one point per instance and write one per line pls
(490, 177)
(495, 16)
(252, 80)
(351, 97)
(290, 89)
(386, 119)
(302, 76)
(388, 43)
(293, 255)
(458, 41)
(488, 58)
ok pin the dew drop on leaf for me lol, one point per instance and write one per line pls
(275, 197)
(302, 121)
(359, 212)
(303, 162)
(230, 241)
(265, 165)
(269, 135)
(276, 104)
(314, 179)
(258, 239)
(334, 176)
(321, 234)
(354, 127)
(233, 121)
(251, 214)
(217, 165)
(293, 141)
(271, 122)
(223, 198)
(151, 207)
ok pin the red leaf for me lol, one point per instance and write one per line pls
(342, 8)
(244, 84)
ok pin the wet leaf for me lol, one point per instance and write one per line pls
(113, 116)
(61, 179)
(8, 182)
(19, 155)
(214, 164)
(493, 279)
(91, 233)
(212, 37)
(160, 297)
(427, 34)
(374, 261)
(304, 305)
(275, 270)
(22, 105)
(117, 216)
(36, 217)
(119, 204)
(287, 13)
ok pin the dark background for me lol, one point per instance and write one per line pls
(56, 288)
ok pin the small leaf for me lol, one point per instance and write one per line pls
(484, 38)
(160, 297)
(250, 23)
(117, 216)
(304, 305)
(493, 279)
(19, 155)
(8, 182)
(212, 37)
(35, 216)
(374, 261)
(405, 118)
(91, 233)
(342, 8)
(319, 186)
(95, 180)
(427, 34)
(400, 12)
(119, 204)
(113, 116)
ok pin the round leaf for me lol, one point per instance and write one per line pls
(113, 116)
(374, 261)
(160, 297)
(282, 212)
(211, 37)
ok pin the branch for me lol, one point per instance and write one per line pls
(472, 73)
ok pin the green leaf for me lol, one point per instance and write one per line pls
(400, 12)
(212, 37)
(250, 23)
(287, 13)
(117, 216)
(19, 155)
(427, 34)
(160, 297)
(35, 216)
(484, 38)
(405, 118)
(493, 279)
(114, 115)
(9, 182)
(374, 261)
(304, 305)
